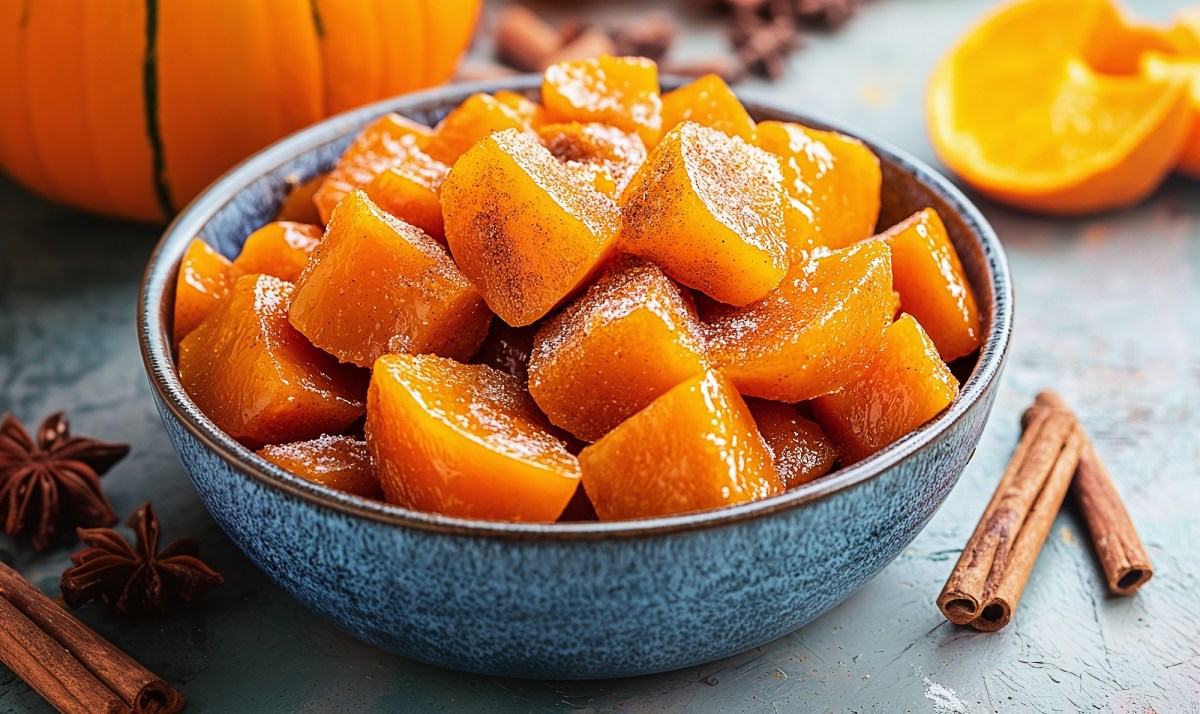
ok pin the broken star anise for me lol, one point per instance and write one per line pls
(53, 483)
(136, 580)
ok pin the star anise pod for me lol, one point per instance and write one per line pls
(53, 483)
(136, 580)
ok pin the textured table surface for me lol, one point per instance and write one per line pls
(1108, 312)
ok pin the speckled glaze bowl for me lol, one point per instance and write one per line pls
(578, 600)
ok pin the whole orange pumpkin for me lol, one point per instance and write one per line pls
(130, 107)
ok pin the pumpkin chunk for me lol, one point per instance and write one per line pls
(832, 183)
(260, 380)
(815, 333)
(708, 208)
(281, 249)
(530, 112)
(710, 102)
(339, 462)
(412, 195)
(376, 284)
(906, 385)
(524, 231)
(607, 355)
(620, 91)
(298, 206)
(604, 155)
(695, 447)
(799, 448)
(203, 281)
(392, 141)
(478, 116)
(928, 276)
(464, 440)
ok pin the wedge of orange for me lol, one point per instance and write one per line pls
(1158, 66)
(1041, 106)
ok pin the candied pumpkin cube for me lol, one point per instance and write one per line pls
(629, 339)
(280, 248)
(530, 112)
(619, 91)
(708, 208)
(693, 448)
(260, 380)
(412, 196)
(814, 333)
(929, 278)
(710, 102)
(339, 462)
(604, 155)
(298, 206)
(507, 348)
(799, 448)
(906, 385)
(520, 226)
(203, 280)
(391, 141)
(478, 116)
(464, 440)
(377, 284)
(833, 183)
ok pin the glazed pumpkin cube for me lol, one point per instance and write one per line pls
(604, 155)
(619, 91)
(339, 462)
(412, 196)
(524, 231)
(392, 141)
(832, 181)
(629, 339)
(203, 281)
(260, 380)
(376, 285)
(298, 206)
(507, 348)
(693, 448)
(464, 440)
(281, 249)
(813, 334)
(799, 448)
(478, 116)
(530, 112)
(708, 208)
(906, 385)
(710, 102)
(929, 278)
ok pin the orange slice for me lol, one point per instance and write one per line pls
(1025, 111)
(1155, 66)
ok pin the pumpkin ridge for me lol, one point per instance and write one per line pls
(162, 188)
(318, 23)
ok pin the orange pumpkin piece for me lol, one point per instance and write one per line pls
(1161, 66)
(203, 281)
(521, 227)
(298, 206)
(376, 284)
(390, 142)
(412, 195)
(629, 339)
(708, 208)
(815, 333)
(281, 249)
(832, 182)
(799, 448)
(260, 380)
(478, 116)
(928, 275)
(619, 91)
(530, 112)
(906, 385)
(464, 440)
(604, 155)
(507, 348)
(339, 462)
(710, 102)
(693, 448)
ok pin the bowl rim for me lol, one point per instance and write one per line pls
(155, 341)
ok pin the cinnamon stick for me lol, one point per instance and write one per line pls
(524, 40)
(135, 687)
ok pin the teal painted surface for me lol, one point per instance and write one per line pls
(1108, 312)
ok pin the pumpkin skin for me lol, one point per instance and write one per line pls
(129, 108)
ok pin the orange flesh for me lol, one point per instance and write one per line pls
(339, 462)
(478, 116)
(281, 249)
(905, 386)
(464, 440)
(619, 91)
(411, 196)
(606, 156)
(710, 102)
(530, 112)
(203, 281)
(631, 338)
(708, 208)
(376, 285)
(799, 448)
(815, 333)
(298, 206)
(693, 448)
(1188, 69)
(260, 380)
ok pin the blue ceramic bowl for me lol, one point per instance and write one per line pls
(576, 600)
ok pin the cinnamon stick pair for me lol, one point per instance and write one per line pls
(1054, 455)
(66, 662)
